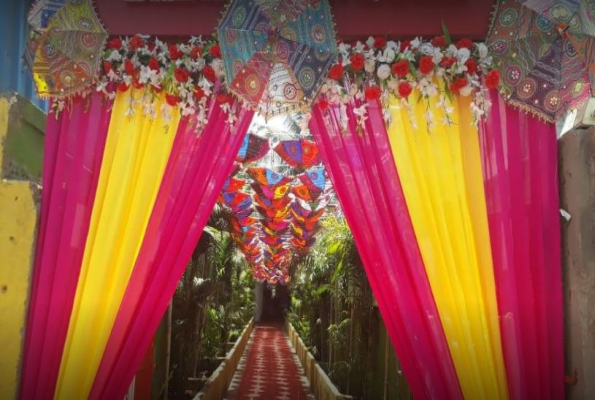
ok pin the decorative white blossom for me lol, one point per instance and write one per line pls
(383, 71)
(370, 66)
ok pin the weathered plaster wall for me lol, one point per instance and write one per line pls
(577, 192)
(18, 222)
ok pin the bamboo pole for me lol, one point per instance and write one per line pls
(386, 352)
(168, 350)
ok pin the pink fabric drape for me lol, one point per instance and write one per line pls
(194, 176)
(364, 175)
(74, 143)
(520, 173)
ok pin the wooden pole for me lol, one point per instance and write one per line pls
(386, 352)
(168, 350)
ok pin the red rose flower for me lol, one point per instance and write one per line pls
(107, 67)
(405, 89)
(122, 87)
(129, 67)
(174, 52)
(153, 64)
(493, 79)
(199, 93)
(379, 42)
(181, 75)
(464, 44)
(400, 68)
(458, 85)
(224, 98)
(196, 52)
(448, 62)
(151, 46)
(215, 51)
(439, 41)
(471, 65)
(357, 61)
(171, 99)
(405, 45)
(115, 44)
(336, 72)
(323, 104)
(372, 93)
(209, 73)
(136, 42)
(426, 64)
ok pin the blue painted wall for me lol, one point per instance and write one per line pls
(14, 75)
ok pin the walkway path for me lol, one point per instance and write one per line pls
(269, 368)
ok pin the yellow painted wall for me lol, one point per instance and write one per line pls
(18, 222)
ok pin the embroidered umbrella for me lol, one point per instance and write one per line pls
(305, 193)
(300, 153)
(277, 52)
(544, 51)
(65, 56)
(233, 185)
(253, 148)
(266, 192)
(268, 177)
(314, 178)
(267, 203)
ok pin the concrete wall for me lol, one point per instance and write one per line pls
(577, 192)
(18, 224)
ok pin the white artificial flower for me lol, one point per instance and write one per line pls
(370, 42)
(391, 44)
(218, 66)
(426, 49)
(359, 47)
(114, 56)
(451, 51)
(482, 49)
(463, 55)
(370, 65)
(389, 55)
(437, 56)
(415, 43)
(466, 91)
(383, 71)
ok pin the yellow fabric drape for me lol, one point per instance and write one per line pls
(136, 153)
(440, 172)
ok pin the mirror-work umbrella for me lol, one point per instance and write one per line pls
(277, 52)
(300, 153)
(544, 50)
(43, 10)
(253, 148)
(65, 56)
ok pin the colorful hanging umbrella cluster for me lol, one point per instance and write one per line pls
(253, 148)
(299, 154)
(280, 218)
(65, 46)
(277, 52)
(545, 53)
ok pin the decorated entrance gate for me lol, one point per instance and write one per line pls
(451, 195)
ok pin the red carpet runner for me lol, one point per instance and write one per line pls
(269, 369)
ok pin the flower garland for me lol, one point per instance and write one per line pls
(190, 74)
(379, 68)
